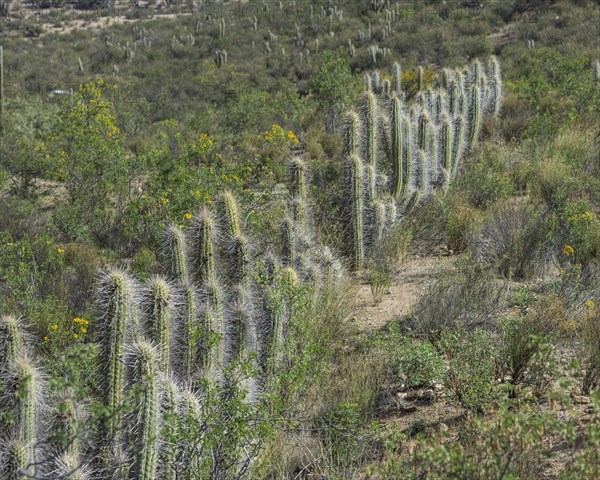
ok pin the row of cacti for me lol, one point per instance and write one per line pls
(161, 340)
(396, 152)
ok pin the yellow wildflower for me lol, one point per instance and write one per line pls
(53, 327)
(60, 250)
(165, 200)
(589, 303)
(83, 330)
(568, 250)
(46, 338)
(75, 336)
(188, 215)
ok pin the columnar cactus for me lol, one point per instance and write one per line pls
(423, 172)
(72, 467)
(458, 144)
(352, 133)
(144, 362)
(379, 222)
(17, 460)
(204, 231)
(297, 178)
(188, 340)
(167, 454)
(354, 188)
(397, 79)
(239, 255)
(474, 116)
(159, 307)
(241, 336)
(216, 324)
(445, 149)
(299, 210)
(397, 148)
(288, 240)
(66, 425)
(420, 78)
(116, 303)
(229, 214)
(174, 255)
(370, 115)
(11, 340)
(424, 134)
(495, 78)
(408, 149)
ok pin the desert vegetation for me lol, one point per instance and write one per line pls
(203, 203)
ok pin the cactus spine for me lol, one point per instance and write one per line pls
(298, 178)
(379, 222)
(145, 373)
(397, 148)
(190, 313)
(160, 312)
(446, 149)
(397, 79)
(354, 184)
(240, 260)
(288, 240)
(17, 460)
(420, 79)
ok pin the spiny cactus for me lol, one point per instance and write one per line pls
(379, 222)
(408, 149)
(167, 454)
(423, 172)
(496, 85)
(397, 148)
(371, 183)
(596, 73)
(204, 232)
(229, 213)
(117, 296)
(474, 116)
(159, 308)
(352, 133)
(424, 133)
(144, 362)
(66, 425)
(445, 149)
(241, 336)
(17, 462)
(297, 178)
(370, 115)
(215, 323)
(188, 339)
(458, 144)
(288, 240)
(354, 194)
(420, 78)
(72, 467)
(11, 340)
(174, 255)
(397, 79)
(299, 210)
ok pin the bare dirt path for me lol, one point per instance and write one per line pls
(408, 286)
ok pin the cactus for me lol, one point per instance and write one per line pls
(188, 340)
(596, 73)
(458, 143)
(423, 133)
(116, 300)
(352, 133)
(371, 183)
(379, 222)
(299, 212)
(72, 467)
(420, 79)
(288, 240)
(167, 454)
(474, 116)
(407, 147)
(297, 178)
(495, 76)
(239, 255)
(17, 461)
(240, 335)
(369, 111)
(397, 79)
(205, 233)
(397, 148)
(214, 322)
(453, 93)
(66, 425)
(11, 340)
(423, 172)
(354, 187)
(159, 310)
(229, 213)
(445, 150)
(145, 365)
(174, 254)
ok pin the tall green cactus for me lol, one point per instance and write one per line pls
(496, 85)
(72, 467)
(354, 189)
(370, 115)
(423, 172)
(379, 222)
(397, 148)
(66, 425)
(204, 232)
(420, 79)
(241, 319)
(174, 253)
(188, 340)
(397, 72)
(17, 460)
(297, 178)
(445, 150)
(214, 302)
(352, 133)
(407, 148)
(27, 399)
(167, 453)
(11, 340)
(160, 309)
(458, 143)
(288, 240)
(239, 255)
(116, 303)
(145, 365)
(474, 116)
(424, 132)
(299, 212)
(229, 215)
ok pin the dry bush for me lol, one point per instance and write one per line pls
(511, 240)
(467, 297)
